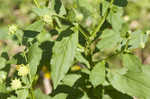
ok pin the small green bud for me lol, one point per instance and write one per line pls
(79, 16)
(12, 29)
(47, 19)
(23, 70)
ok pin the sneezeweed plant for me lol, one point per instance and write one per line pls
(85, 48)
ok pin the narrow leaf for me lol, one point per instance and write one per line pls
(34, 57)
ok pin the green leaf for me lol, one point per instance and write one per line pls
(70, 79)
(62, 58)
(39, 95)
(85, 96)
(22, 94)
(97, 75)
(3, 88)
(132, 63)
(33, 29)
(121, 3)
(2, 63)
(81, 59)
(60, 96)
(34, 57)
(132, 83)
(109, 37)
(137, 39)
(58, 7)
(115, 18)
(44, 36)
(43, 11)
(3, 76)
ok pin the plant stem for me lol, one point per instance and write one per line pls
(36, 3)
(83, 33)
(32, 94)
(101, 22)
(24, 54)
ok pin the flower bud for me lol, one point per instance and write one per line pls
(47, 19)
(16, 84)
(12, 29)
(23, 70)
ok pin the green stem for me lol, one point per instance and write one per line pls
(83, 33)
(101, 22)
(24, 54)
(36, 3)
(32, 94)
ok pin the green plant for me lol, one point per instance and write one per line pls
(87, 47)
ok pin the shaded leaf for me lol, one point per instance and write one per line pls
(34, 29)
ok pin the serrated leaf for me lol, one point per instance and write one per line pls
(2, 63)
(34, 29)
(62, 58)
(81, 59)
(70, 79)
(132, 63)
(109, 37)
(34, 57)
(132, 83)
(97, 75)
(136, 39)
